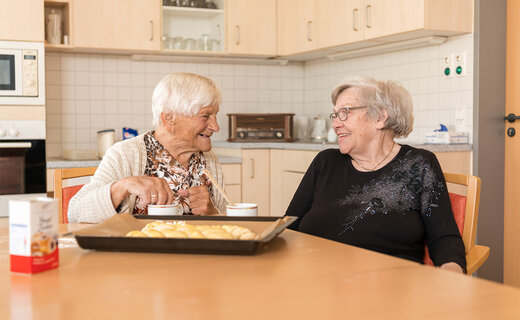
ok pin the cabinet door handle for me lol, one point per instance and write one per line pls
(369, 16)
(309, 25)
(151, 30)
(237, 35)
(252, 168)
(355, 20)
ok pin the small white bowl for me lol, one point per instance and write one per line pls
(173, 209)
(242, 210)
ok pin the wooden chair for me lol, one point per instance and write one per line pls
(465, 209)
(67, 182)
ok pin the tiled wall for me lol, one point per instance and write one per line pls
(436, 97)
(89, 92)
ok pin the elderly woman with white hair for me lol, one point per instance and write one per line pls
(163, 165)
(373, 192)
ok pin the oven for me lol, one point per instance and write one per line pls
(21, 73)
(22, 161)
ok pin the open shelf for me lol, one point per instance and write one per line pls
(63, 8)
(192, 12)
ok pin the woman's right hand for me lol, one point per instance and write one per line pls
(151, 190)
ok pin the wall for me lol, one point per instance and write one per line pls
(489, 146)
(89, 92)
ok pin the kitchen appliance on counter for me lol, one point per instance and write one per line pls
(22, 161)
(247, 127)
(22, 74)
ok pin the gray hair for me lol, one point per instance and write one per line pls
(379, 96)
(184, 94)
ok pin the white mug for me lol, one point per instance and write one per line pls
(173, 209)
(242, 210)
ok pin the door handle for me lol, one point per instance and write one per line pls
(151, 30)
(252, 168)
(309, 36)
(355, 19)
(512, 117)
(368, 17)
(237, 35)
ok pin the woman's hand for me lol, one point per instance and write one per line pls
(151, 190)
(200, 202)
(452, 266)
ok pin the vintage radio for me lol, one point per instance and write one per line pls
(260, 127)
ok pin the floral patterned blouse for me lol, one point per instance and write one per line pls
(160, 163)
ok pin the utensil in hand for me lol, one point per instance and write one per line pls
(222, 192)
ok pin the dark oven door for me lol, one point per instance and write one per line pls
(22, 167)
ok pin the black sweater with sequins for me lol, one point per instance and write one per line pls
(393, 210)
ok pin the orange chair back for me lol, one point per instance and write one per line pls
(458, 206)
(64, 194)
(465, 211)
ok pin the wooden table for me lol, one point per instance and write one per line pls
(299, 277)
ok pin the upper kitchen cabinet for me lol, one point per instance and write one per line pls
(251, 27)
(324, 26)
(306, 25)
(114, 24)
(296, 31)
(400, 19)
(21, 20)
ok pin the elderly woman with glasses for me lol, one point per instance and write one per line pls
(163, 165)
(373, 192)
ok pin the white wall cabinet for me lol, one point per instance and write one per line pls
(22, 20)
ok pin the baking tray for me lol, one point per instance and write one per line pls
(103, 237)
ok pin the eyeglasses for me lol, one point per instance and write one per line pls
(342, 113)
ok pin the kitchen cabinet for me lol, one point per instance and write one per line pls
(296, 29)
(287, 170)
(251, 27)
(255, 179)
(114, 24)
(233, 181)
(22, 20)
(336, 25)
(289, 166)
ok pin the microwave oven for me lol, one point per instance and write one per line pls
(22, 74)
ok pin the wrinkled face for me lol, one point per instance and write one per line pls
(358, 130)
(196, 131)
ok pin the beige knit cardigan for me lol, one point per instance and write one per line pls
(127, 158)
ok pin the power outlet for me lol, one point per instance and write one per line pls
(448, 64)
(460, 64)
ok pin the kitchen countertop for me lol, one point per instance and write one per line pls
(58, 163)
(323, 146)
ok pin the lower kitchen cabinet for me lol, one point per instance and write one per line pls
(255, 179)
(287, 170)
(233, 181)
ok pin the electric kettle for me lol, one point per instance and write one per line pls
(319, 130)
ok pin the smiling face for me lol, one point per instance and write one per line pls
(196, 131)
(357, 132)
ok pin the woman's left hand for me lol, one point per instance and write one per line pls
(200, 202)
(452, 266)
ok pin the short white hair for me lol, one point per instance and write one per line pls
(382, 95)
(183, 94)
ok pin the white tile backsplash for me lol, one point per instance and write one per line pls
(90, 92)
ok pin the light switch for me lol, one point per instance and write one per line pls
(460, 64)
(448, 65)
